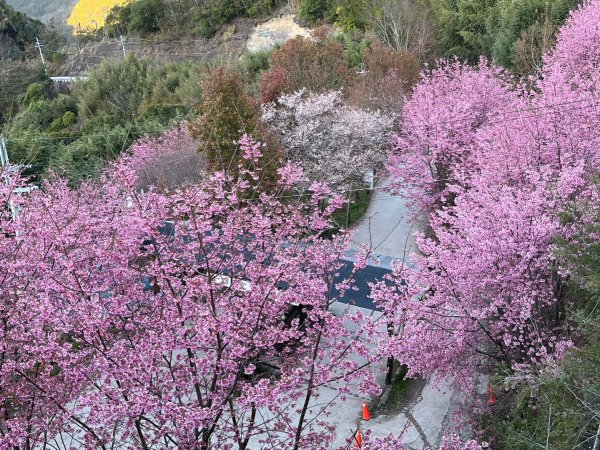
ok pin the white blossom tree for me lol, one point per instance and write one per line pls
(333, 142)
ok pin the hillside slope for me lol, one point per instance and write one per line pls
(17, 32)
(225, 46)
(45, 10)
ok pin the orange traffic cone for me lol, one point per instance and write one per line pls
(492, 397)
(358, 438)
(366, 415)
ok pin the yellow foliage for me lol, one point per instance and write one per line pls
(89, 15)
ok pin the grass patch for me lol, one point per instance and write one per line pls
(398, 390)
(400, 386)
(346, 216)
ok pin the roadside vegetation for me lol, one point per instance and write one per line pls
(79, 132)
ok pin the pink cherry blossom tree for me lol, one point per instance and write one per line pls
(439, 124)
(487, 286)
(576, 51)
(170, 161)
(217, 329)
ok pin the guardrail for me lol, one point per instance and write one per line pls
(68, 79)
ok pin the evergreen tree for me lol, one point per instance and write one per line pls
(312, 10)
(227, 112)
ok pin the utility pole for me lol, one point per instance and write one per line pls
(7, 169)
(122, 42)
(4, 159)
(39, 47)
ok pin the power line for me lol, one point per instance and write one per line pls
(171, 55)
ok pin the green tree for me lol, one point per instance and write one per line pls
(117, 89)
(463, 27)
(312, 10)
(77, 160)
(120, 102)
(145, 16)
(40, 112)
(531, 20)
(351, 15)
(69, 118)
(34, 92)
(498, 29)
(227, 112)
(180, 17)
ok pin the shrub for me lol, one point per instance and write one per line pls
(386, 76)
(259, 8)
(145, 16)
(272, 84)
(352, 15)
(315, 65)
(256, 62)
(312, 10)
(69, 118)
(34, 92)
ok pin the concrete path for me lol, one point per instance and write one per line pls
(424, 422)
(386, 227)
(431, 414)
(420, 423)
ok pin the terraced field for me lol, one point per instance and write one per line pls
(89, 15)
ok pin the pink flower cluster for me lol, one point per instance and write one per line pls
(190, 320)
(494, 165)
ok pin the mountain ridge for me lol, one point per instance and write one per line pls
(45, 10)
(17, 32)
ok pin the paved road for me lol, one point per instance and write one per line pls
(386, 226)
